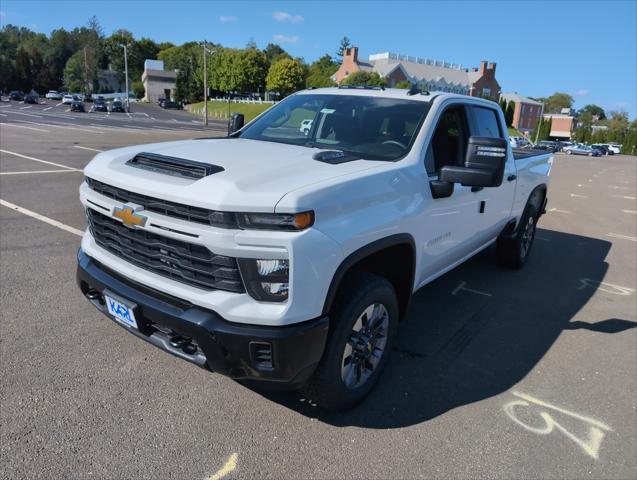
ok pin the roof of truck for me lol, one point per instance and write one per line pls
(386, 93)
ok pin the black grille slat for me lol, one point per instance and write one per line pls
(188, 263)
(165, 207)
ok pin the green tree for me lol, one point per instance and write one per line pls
(74, 72)
(253, 68)
(285, 77)
(274, 53)
(364, 78)
(629, 144)
(320, 72)
(509, 113)
(187, 60)
(617, 126)
(545, 132)
(556, 102)
(593, 110)
(406, 84)
(345, 44)
(138, 89)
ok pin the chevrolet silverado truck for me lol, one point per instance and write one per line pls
(287, 252)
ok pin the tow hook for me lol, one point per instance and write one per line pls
(95, 296)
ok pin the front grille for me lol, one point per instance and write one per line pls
(164, 207)
(184, 262)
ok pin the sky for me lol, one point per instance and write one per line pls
(585, 48)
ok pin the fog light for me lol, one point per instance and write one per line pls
(266, 280)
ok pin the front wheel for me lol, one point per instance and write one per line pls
(363, 325)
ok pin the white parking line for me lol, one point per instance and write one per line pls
(3, 115)
(27, 114)
(617, 187)
(42, 218)
(39, 171)
(48, 108)
(39, 160)
(88, 148)
(59, 104)
(626, 197)
(557, 210)
(633, 212)
(24, 108)
(24, 126)
(623, 237)
(462, 287)
(578, 196)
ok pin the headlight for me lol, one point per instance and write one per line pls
(266, 280)
(276, 221)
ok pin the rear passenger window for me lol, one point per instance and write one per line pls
(486, 123)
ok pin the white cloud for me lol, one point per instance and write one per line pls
(582, 93)
(228, 18)
(287, 17)
(284, 39)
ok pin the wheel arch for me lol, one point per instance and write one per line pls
(373, 258)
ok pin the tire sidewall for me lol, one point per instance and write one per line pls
(529, 212)
(346, 313)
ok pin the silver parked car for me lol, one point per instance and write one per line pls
(581, 149)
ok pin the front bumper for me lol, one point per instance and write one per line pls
(285, 355)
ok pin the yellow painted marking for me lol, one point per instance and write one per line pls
(590, 445)
(230, 465)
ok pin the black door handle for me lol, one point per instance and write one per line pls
(512, 177)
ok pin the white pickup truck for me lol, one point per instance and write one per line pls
(288, 255)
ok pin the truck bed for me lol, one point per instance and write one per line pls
(520, 153)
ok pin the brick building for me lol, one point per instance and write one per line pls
(562, 125)
(527, 112)
(427, 74)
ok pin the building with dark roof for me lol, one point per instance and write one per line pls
(425, 73)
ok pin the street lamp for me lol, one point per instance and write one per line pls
(126, 74)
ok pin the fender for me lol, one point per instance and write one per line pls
(539, 192)
(364, 252)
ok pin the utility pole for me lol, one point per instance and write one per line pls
(205, 85)
(86, 85)
(126, 75)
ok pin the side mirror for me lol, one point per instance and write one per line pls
(484, 164)
(236, 123)
(440, 189)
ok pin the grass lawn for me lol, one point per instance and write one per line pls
(513, 132)
(219, 109)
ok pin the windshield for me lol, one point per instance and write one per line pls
(366, 127)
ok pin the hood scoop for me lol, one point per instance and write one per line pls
(177, 167)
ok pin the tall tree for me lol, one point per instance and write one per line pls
(509, 113)
(345, 44)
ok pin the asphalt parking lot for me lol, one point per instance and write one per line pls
(498, 373)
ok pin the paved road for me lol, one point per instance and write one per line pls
(50, 115)
(499, 374)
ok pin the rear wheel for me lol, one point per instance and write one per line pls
(364, 321)
(513, 252)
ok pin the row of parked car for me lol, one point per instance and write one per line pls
(570, 148)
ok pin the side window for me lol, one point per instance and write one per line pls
(449, 140)
(487, 124)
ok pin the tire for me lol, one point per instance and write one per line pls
(338, 382)
(513, 252)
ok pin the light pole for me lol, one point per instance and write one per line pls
(204, 44)
(126, 74)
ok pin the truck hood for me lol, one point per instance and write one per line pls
(256, 174)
